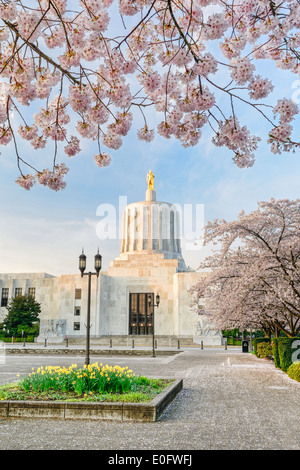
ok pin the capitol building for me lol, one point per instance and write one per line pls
(150, 262)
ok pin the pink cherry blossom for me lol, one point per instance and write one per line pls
(102, 159)
(26, 182)
(287, 109)
(5, 135)
(259, 87)
(27, 132)
(99, 114)
(87, 129)
(82, 71)
(112, 140)
(252, 277)
(237, 139)
(242, 70)
(145, 134)
(215, 26)
(79, 98)
(72, 148)
(8, 11)
(55, 39)
(38, 142)
(206, 66)
(29, 26)
(53, 179)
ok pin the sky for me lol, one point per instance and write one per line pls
(45, 231)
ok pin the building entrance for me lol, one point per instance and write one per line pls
(140, 314)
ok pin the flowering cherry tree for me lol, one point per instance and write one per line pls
(83, 77)
(254, 278)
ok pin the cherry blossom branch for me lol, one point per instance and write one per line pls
(41, 54)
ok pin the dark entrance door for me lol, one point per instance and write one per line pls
(140, 314)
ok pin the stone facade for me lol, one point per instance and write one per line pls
(150, 261)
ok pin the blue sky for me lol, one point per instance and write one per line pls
(42, 230)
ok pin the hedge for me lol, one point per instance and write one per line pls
(232, 341)
(29, 339)
(255, 342)
(276, 352)
(264, 349)
(294, 371)
(285, 351)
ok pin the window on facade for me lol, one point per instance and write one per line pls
(76, 326)
(18, 291)
(77, 311)
(77, 293)
(4, 297)
(31, 291)
(140, 314)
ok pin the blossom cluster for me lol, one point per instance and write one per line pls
(52, 179)
(90, 81)
(238, 139)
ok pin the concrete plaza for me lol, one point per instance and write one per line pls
(230, 401)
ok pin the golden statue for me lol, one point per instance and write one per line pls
(150, 180)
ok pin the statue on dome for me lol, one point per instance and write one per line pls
(150, 180)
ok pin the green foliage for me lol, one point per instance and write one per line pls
(275, 352)
(294, 371)
(233, 342)
(235, 332)
(23, 313)
(91, 383)
(285, 352)
(264, 350)
(90, 379)
(28, 339)
(256, 341)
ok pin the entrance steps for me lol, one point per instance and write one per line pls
(139, 341)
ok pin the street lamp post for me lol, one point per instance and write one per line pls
(82, 268)
(157, 298)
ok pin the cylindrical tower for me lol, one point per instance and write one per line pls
(151, 227)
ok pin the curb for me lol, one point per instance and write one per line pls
(144, 412)
(93, 352)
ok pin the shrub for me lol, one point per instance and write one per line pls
(256, 341)
(28, 339)
(233, 341)
(294, 371)
(275, 352)
(285, 352)
(264, 349)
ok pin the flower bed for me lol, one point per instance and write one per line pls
(92, 392)
(95, 382)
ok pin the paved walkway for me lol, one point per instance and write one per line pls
(230, 400)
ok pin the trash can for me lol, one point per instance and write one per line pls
(245, 346)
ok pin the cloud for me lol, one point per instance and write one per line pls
(39, 245)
